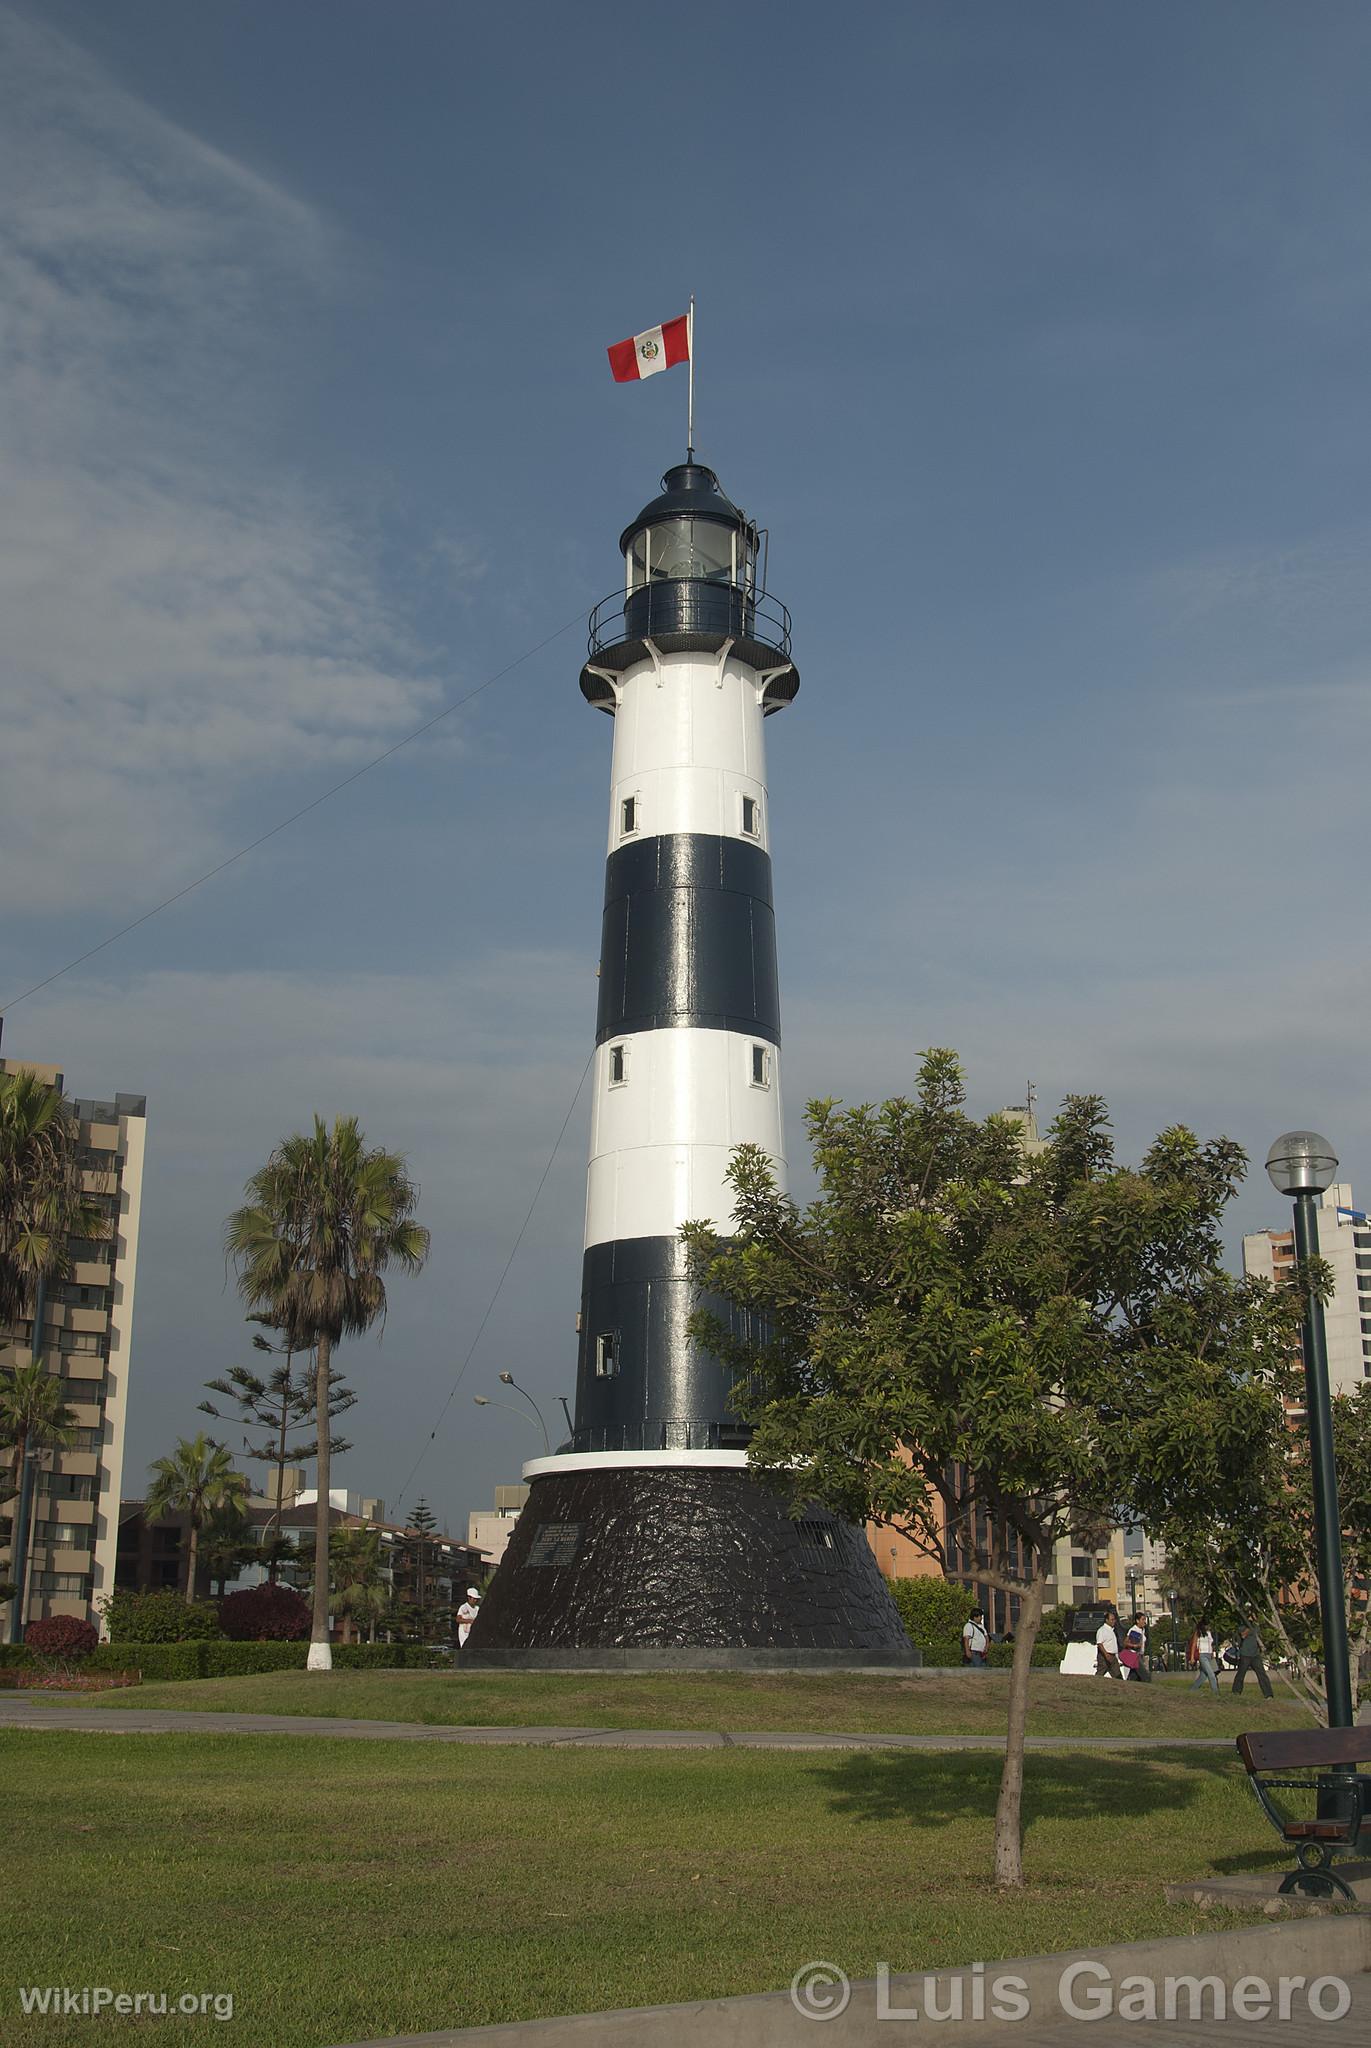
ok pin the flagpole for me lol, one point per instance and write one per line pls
(690, 365)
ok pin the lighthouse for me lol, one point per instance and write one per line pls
(644, 1540)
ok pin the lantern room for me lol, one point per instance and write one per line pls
(694, 573)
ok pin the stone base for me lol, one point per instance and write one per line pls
(682, 1568)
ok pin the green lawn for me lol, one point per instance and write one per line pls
(342, 1891)
(846, 1703)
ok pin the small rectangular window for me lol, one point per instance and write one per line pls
(628, 814)
(751, 817)
(618, 1065)
(607, 1354)
(761, 1066)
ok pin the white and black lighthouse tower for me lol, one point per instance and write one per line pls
(644, 1540)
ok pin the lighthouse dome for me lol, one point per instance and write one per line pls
(690, 492)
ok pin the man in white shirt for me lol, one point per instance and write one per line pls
(1107, 1647)
(466, 1615)
(975, 1641)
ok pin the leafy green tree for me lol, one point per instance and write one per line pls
(1250, 1553)
(979, 1347)
(198, 1481)
(278, 1403)
(325, 1220)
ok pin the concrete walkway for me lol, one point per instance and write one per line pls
(18, 1710)
(1316, 1968)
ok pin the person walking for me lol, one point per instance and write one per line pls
(975, 1640)
(1204, 1655)
(1133, 1655)
(1107, 1647)
(1250, 1658)
(466, 1615)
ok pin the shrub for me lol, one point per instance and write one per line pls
(240, 1660)
(154, 1660)
(933, 1612)
(265, 1614)
(1054, 1624)
(61, 1641)
(14, 1655)
(159, 1618)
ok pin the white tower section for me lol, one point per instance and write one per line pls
(671, 1104)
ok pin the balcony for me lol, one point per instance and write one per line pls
(688, 616)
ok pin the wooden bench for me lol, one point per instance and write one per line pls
(1321, 1761)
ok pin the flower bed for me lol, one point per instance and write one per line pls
(70, 1681)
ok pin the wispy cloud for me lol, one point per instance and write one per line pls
(180, 614)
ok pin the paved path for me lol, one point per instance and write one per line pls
(19, 1711)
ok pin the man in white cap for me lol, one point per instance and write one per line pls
(466, 1614)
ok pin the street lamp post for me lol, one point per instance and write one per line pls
(507, 1379)
(484, 1401)
(1302, 1164)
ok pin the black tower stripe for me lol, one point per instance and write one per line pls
(689, 938)
(665, 1392)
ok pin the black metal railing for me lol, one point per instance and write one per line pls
(689, 605)
(663, 1436)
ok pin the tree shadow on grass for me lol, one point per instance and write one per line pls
(934, 1789)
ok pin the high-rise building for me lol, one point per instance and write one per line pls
(1345, 1242)
(83, 1327)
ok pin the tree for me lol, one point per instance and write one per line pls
(198, 1481)
(42, 1200)
(228, 1541)
(427, 1616)
(34, 1418)
(324, 1221)
(42, 1206)
(1249, 1554)
(360, 1589)
(278, 1404)
(988, 1351)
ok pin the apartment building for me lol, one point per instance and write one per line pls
(489, 1529)
(83, 1327)
(1345, 1242)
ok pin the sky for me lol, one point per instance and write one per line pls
(1036, 337)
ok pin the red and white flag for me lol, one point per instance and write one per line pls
(659, 348)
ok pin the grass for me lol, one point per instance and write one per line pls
(848, 1703)
(343, 1891)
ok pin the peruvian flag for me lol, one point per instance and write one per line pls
(659, 348)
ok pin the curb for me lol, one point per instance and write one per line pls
(864, 2014)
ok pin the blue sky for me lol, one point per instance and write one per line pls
(1038, 339)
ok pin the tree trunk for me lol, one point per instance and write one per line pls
(1009, 1809)
(192, 1559)
(320, 1656)
(273, 1526)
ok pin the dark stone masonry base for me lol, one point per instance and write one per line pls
(682, 1568)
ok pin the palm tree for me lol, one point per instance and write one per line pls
(42, 1201)
(324, 1221)
(42, 1206)
(197, 1480)
(33, 1418)
(360, 1586)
